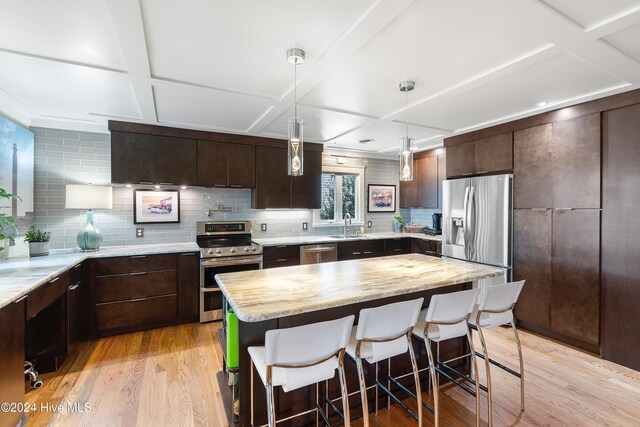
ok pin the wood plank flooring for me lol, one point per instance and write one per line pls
(167, 377)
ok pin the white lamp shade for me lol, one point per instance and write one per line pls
(88, 197)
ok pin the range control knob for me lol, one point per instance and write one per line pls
(232, 250)
(210, 251)
(218, 251)
(246, 248)
(253, 249)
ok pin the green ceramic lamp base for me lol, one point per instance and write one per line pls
(90, 237)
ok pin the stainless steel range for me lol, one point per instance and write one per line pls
(225, 247)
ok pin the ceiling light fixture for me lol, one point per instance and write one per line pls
(406, 148)
(366, 141)
(295, 152)
(542, 104)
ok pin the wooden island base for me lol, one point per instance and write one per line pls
(252, 334)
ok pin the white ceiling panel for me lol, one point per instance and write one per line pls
(241, 45)
(592, 13)
(553, 81)
(320, 125)
(386, 135)
(628, 41)
(435, 43)
(72, 30)
(207, 108)
(65, 90)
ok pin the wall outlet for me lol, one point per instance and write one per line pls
(263, 227)
(369, 224)
(305, 226)
(140, 232)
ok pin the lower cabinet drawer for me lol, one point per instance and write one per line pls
(136, 312)
(135, 285)
(46, 293)
(284, 262)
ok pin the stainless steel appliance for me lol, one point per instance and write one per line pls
(225, 247)
(436, 223)
(316, 254)
(478, 220)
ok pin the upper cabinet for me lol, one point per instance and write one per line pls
(486, 155)
(425, 191)
(149, 159)
(557, 165)
(222, 164)
(276, 189)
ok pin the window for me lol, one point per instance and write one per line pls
(342, 192)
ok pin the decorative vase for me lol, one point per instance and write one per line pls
(90, 237)
(397, 227)
(38, 249)
(4, 248)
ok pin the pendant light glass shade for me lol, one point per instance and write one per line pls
(406, 159)
(295, 152)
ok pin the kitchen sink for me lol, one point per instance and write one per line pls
(351, 237)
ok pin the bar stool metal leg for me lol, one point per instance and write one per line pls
(251, 388)
(416, 376)
(363, 390)
(344, 391)
(434, 381)
(271, 406)
(515, 332)
(474, 367)
(488, 369)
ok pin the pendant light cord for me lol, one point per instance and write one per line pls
(406, 110)
(295, 90)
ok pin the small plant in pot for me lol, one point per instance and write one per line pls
(398, 223)
(8, 227)
(38, 241)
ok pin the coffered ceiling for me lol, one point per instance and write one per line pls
(220, 65)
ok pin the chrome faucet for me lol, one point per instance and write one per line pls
(347, 217)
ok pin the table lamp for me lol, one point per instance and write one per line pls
(88, 197)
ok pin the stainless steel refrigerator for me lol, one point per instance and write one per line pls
(477, 220)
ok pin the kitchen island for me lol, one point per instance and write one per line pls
(292, 296)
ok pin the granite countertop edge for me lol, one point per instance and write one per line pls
(313, 240)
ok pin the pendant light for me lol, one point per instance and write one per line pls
(406, 143)
(295, 152)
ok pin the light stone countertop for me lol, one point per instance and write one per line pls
(273, 293)
(20, 275)
(314, 240)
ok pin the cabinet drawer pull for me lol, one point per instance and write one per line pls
(541, 209)
(22, 298)
(284, 246)
(138, 256)
(397, 250)
(484, 172)
(78, 266)
(189, 254)
(356, 253)
(165, 183)
(139, 273)
(235, 186)
(367, 252)
(137, 299)
(54, 280)
(74, 287)
(467, 174)
(219, 185)
(563, 209)
(281, 260)
(146, 182)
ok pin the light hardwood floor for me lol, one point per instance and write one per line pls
(167, 377)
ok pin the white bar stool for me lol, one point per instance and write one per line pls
(446, 318)
(382, 333)
(496, 309)
(297, 357)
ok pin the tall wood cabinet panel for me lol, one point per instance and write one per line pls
(242, 165)
(176, 160)
(408, 194)
(532, 179)
(213, 163)
(494, 153)
(461, 159)
(272, 182)
(620, 337)
(12, 331)
(575, 294)
(576, 162)
(306, 189)
(426, 176)
(442, 175)
(188, 286)
(133, 158)
(532, 262)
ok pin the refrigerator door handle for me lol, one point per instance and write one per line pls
(471, 224)
(465, 223)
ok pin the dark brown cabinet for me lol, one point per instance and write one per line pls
(532, 262)
(620, 336)
(76, 298)
(222, 164)
(482, 156)
(149, 159)
(426, 247)
(425, 190)
(408, 194)
(188, 286)
(557, 165)
(397, 246)
(358, 249)
(560, 263)
(280, 256)
(276, 189)
(12, 332)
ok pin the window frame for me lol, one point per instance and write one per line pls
(360, 197)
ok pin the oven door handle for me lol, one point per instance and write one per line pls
(222, 263)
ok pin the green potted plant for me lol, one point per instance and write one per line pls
(38, 241)
(398, 221)
(7, 226)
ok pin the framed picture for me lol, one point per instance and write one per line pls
(381, 198)
(156, 207)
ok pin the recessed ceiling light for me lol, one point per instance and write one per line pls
(128, 186)
(156, 186)
(184, 187)
(542, 104)
(366, 141)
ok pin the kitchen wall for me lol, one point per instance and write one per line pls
(71, 157)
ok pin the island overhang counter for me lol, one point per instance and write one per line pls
(292, 296)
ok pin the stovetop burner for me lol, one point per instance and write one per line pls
(226, 238)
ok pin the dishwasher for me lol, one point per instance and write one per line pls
(316, 254)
